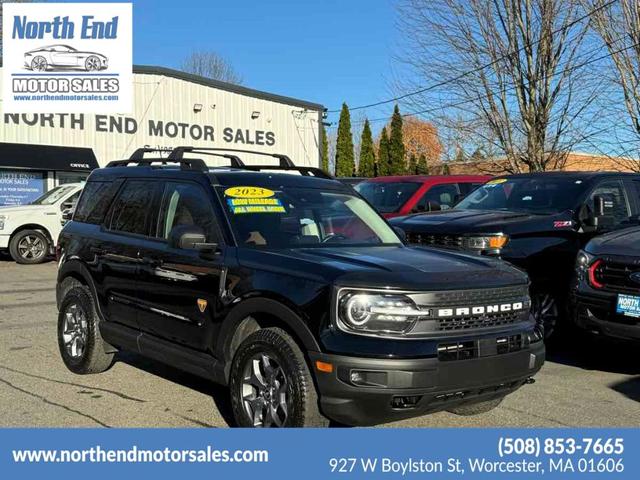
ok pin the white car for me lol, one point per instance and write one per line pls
(30, 232)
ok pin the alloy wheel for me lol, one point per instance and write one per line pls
(264, 391)
(92, 64)
(545, 311)
(75, 331)
(31, 247)
(39, 64)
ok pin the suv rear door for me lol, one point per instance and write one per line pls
(178, 289)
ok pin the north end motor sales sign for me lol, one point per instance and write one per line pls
(67, 57)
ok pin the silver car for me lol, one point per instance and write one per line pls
(61, 57)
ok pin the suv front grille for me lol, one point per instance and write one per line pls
(615, 277)
(438, 240)
(469, 309)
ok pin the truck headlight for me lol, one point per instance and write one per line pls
(491, 244)
(377, 312)
(2, 220)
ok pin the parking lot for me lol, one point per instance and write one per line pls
(582, 384)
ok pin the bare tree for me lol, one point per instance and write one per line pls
(618, 25)
(211, 65)
(510, 69)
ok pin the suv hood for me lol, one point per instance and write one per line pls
(622, 242)
(410, 268)
(478, 221)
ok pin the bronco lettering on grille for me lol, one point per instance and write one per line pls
(479, 310)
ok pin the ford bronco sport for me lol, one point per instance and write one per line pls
(284, 284)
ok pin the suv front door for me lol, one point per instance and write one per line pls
(179, 288)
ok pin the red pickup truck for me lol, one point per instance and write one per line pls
(402, 195)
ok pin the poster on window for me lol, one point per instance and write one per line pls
(20, 188)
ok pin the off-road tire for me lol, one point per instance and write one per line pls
(476, 408)
(14, 247)
(94, 359)
(302, 399)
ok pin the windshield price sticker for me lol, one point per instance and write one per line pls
(255, 205)
(249, 192)
(556, 457)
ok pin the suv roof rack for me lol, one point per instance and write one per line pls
(178, 153)
(306, 171)
(137, 158)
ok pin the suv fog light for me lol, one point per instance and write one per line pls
(367, 378)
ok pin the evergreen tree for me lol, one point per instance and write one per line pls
(383, 154)
(446, 170)
(423, 167)
(345, 161)
(366, 166)
(397, 163)
(324, 149)
(413, 165)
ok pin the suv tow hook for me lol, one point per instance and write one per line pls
(530, 381)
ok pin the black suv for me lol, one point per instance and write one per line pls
(536, 221)
(284, 284)
(606, 292)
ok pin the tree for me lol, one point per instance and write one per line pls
(366, 165)
(422, 168)
(324, 148)
(384, 167)
(513, 69)
(445, 169)
(460, 155)
(413, 165)
(618, 25)
(345, 162)
(210, 65)
(477, 155)
(421, 137)
(397, 165)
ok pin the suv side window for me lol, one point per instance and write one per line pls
(94, 202)
(616, 205)
(133, 209)
(444, 195)
(186, 204)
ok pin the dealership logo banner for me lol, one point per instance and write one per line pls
(67, 57)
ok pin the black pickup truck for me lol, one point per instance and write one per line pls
(536, 221)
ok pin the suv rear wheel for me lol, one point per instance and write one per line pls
(79, 339)
(271, 385)
(29, 247)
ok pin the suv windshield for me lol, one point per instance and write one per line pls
(304, 217)
(387, 197)
(52, 196)
(537, 195)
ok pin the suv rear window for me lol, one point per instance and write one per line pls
(95, 201)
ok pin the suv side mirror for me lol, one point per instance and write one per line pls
(190, 237)
(67, 206)
(598, 206)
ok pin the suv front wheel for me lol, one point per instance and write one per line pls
(271, 385)
(81, 345)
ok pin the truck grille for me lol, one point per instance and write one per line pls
(464, 316)
(615, 277)
(449, 241)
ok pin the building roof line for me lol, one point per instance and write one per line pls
(229, 87)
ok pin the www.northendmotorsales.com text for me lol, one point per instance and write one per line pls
(474, 465)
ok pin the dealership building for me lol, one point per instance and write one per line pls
(170, 108)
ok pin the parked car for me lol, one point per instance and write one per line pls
(60, 57)
(238, 275)
(29, 232)
(606, 291)
(537, 221)
(401, 195)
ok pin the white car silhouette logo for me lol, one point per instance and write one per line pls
(63, 57)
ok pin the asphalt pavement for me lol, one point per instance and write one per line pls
(584, 382)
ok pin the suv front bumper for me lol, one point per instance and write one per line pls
(413, 387)
(596, 312)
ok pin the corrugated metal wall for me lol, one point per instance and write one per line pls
(165, 99)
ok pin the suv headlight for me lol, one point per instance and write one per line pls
(376, 312)
(585, 262)
(491, 244)
(2, 220)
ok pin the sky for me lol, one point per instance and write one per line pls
(326, 51)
